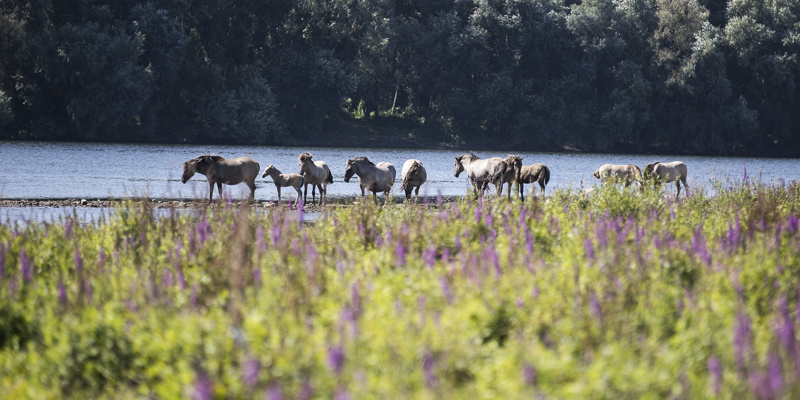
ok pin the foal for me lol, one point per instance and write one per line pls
(285, 180)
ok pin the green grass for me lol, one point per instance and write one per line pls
(614, 295)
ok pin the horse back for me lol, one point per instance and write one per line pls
(234, 170)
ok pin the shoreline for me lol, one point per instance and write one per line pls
(166, 203)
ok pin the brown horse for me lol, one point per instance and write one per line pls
(220, 170)
(513, 168)
(675, 171)
(482, 172)
(413, 175)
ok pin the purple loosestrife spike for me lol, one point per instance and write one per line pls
(355, 298)
(260, 238)
(529, 375)
(306, 392)
(275, 392)
(257, 275)
(400, 253)
(775, 373)
(589, 248)
(429, 255)
(715, 371)
(429, 368)
(379, 242)
(2, 260)
(203, 388)
(250, 371)
(25, 266)
(793, 224)
(336, 359)
(487, 216)
(446, 291)
(742, 340)
(62, 293)
(341, 394)
(491, 254)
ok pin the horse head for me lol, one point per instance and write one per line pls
(198, 164)
(596, 174)
(188, 170)
(349, 170)
(649, 169)
(515, 163)
(268, 171)
(459, 166)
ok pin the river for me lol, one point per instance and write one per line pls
(55, 170)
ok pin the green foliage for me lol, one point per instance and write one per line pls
(618, 293)
(705, 76)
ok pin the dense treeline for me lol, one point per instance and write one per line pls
(703, 76)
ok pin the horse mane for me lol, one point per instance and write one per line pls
(204, 160)
(648, 169)
(357, 159)
(470, 156)
(305, 156)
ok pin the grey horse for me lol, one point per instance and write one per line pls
(219, 170)
(482, 172)
(372, 177)
(523, 174)
(626, 174)
(675, 171)
(317, 174)
(413, 176)
(285, 180)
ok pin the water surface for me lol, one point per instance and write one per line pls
(54, 170)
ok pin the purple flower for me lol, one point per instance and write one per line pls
(2, 260)
(594, 306)
(250, 371)
(429, 255)
(25, 266)
(774, 373)
(491, 254)
(306, 392)
(62, 293)
(355, 298)
(341, 394)
(203, 389)
(275, 392)
(400, 252)
(529, 374)
(446, 291)
(793, 223)
(336, 359)
(742, 339)
(429, 368)
(589, 248)
(715, 370)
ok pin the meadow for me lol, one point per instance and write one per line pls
(619, 294)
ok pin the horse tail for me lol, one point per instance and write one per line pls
(546, 173)
(412, 171)
(329, 179)
(501, 174)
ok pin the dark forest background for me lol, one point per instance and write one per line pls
(695, 76)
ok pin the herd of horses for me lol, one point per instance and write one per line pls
(380, 177)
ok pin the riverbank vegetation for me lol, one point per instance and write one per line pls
(683, 76)
(616, 294)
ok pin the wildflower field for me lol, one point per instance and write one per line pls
(619, 294)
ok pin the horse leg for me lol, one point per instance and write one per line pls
(299, 193)
(416, 195)
(521, 191)
(278, 188)
(541, 185)
(252, 186)
(678, 185)
(211, 192)
(314, 193)
(408, 193)
(305, 193)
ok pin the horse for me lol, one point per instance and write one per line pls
(413, 175)
(659, 172)
(513, 167)
(623, 173)
(285, 180)
(317, 174)
(482, 172)
(220, 170)
(536, 172)
(375, 178)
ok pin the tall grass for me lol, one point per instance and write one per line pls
(617, 294)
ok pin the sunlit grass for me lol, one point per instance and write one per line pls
(615, 294)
